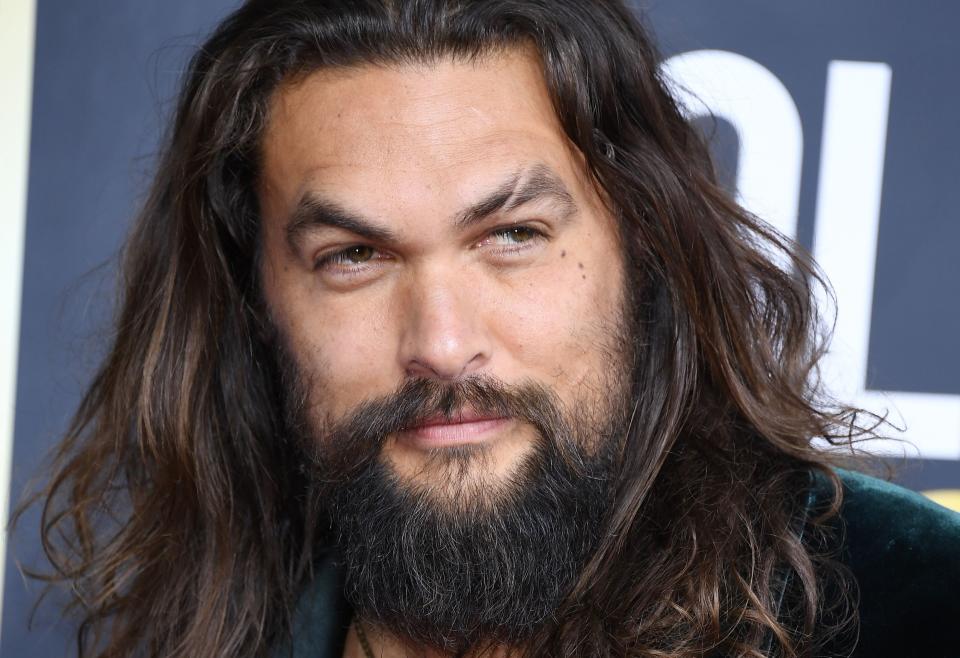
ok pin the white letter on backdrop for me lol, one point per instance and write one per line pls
(751, 98)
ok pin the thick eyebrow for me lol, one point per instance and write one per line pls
(314, 211)
(539, 182)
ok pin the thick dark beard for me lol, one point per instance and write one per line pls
(462, 563)
(478, 565)
(456, 581)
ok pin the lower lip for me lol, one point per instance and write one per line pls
(453, 434)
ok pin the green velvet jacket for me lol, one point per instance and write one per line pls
(903, 550)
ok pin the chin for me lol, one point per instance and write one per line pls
(474, 543)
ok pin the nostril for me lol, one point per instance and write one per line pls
(443, 337)
(435, 369)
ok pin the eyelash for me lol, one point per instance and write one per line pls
(536, 235)
(337, 258)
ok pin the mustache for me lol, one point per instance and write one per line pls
(346, 446)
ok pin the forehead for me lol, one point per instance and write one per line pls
(406, 133)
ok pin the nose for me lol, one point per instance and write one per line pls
(443, 336)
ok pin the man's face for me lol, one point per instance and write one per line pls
(434, 222)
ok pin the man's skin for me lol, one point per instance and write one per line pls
(532, 293)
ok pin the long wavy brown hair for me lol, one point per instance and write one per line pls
(176, 514)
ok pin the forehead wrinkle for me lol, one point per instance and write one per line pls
(421, 96)
(380, 156)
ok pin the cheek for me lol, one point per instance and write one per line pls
(343, 349)
(559, 322)
(346, 356)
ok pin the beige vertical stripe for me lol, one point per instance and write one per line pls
(17, 18)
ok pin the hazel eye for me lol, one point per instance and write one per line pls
(512, 238)
(515, 235)
(351, 256)
(356, 255)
